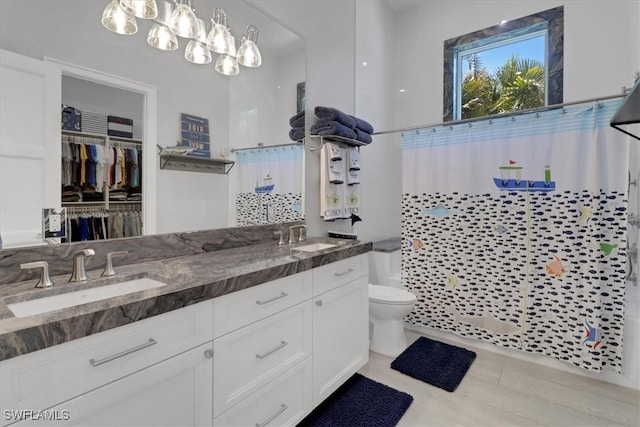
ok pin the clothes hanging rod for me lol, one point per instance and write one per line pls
(233, 150)
(498, 116)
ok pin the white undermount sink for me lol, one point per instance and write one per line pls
(313, 247)
(70, 299)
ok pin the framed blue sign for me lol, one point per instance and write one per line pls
(194, 133)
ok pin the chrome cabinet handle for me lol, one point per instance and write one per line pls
(123, 353)
(343, 273)
(208, 353)
(273, 350)
(265, 301)
(319, 303)
(282, 408)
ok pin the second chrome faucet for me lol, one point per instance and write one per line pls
(79, 274)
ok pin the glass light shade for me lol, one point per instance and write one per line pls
(248, 53)
(161, 37)
(147, 9)
(184, 23)
(115, 19)
(197, 53)
(227, 65)
(220, 40)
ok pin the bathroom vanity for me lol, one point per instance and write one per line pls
(254, 335)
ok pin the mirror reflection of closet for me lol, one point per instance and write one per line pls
(102, 191)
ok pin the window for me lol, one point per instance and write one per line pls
(512, 66)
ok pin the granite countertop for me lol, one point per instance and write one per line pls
(189, 280)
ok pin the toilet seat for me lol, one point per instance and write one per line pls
(390, 295)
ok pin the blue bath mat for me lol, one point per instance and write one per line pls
(360, 402)
(435, 363)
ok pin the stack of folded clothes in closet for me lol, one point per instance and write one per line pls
(333, 122)
(297, 127)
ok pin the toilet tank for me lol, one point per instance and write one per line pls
(384, 261)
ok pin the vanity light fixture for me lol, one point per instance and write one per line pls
(178, 19)
(183, 21)
(249, 54)
(146, 9)
(116, 19)
(220, 39)
(161, 37)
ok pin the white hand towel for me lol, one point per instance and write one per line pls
(336, 151)
(353, 177)
(336, 172)
(353, 156)
(351, 200)
(331, 195)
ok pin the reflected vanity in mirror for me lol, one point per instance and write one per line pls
(82, 64)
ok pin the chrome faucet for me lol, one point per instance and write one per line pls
(44, 281)
(108, 268)
(292, 233)
(79, 274)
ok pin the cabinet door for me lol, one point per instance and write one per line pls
(175, 392)
(30, 96)
(340, 336)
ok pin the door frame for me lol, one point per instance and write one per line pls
(149, 130)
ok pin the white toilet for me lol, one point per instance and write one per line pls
(389, 302)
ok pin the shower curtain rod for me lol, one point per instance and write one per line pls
(498, 116)
(233, 150)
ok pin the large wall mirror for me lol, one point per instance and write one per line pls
(248, 114)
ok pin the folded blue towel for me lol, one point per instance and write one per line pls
(363, 125)
(332, 114)
(332, 128)
(296, 133)
(363, 136)
(298, 120)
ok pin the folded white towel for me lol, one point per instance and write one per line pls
(353, 177)
(353, 156)
(335, 151)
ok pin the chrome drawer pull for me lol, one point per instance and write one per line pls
(342, 274)
(123, 353)
(274, 349)
(264, 301)
(283, 408)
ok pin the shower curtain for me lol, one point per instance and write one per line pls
(514, 231)
(269, 185)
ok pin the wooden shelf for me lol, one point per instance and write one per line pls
(195, 164)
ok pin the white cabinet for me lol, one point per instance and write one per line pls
(340, 336)
(175, 392)
(46, 378)
(264, 355)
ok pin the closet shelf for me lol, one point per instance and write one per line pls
(195, 164)
(336, 138)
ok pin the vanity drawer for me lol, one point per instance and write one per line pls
(47, 377)
(237, 309)
(338, 273)
(247, 359)
(284, 401)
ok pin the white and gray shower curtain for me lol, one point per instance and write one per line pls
(269, 185)
(514, 231)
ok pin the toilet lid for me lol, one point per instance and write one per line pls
(389, 295)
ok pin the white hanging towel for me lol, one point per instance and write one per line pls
(331, 195)
(351, 200)
(336, 151)
(353, 177)
(353, 158)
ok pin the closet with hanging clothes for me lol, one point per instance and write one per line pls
(101, 186)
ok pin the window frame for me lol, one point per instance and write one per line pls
(552, 19)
